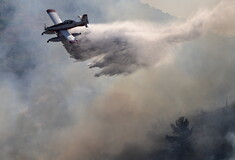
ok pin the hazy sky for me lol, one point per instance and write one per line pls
(181, 8)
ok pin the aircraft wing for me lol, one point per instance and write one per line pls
(68, 36)
(54, 16)
(56, 20)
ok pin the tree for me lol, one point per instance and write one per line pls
(180, 141)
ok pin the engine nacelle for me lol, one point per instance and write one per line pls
(54, 39)
(76, 34)
(48, 32)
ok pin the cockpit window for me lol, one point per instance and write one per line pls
(68, 21)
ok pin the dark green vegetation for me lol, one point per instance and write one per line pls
(180, 141)
(209, 136)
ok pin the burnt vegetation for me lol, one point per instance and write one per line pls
(180, 140)
(207, 136)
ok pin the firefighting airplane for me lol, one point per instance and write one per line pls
(62, 28)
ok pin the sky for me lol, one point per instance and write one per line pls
(153, 62)
(181, 8)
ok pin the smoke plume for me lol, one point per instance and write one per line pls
(52, 108)
(122, 48)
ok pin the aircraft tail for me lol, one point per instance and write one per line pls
(84, 19)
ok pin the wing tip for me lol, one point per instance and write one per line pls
(50, 10)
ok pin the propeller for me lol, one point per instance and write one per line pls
(45, 26)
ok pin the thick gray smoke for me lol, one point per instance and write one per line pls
(122, 48)
(52, 108)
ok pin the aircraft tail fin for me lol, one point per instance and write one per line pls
(84, 19)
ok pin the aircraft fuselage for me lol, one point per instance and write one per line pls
(64, 26)
(61, 29)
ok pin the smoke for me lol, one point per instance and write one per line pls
(230, 138)
(182, 9)
(122, 48)
(220, 19)
(52, 108)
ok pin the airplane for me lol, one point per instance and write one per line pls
(62, 28)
